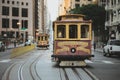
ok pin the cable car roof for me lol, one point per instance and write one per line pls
(72, 18)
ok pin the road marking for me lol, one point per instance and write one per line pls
(99, 61)
(88, 61)
(5, 60)
(108, 62)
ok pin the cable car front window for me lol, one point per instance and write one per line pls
(39, 38)
(45, 37)
(84, 31)
(61, 31)
(42, 38)
(73, 31)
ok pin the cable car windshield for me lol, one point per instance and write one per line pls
(73, 31)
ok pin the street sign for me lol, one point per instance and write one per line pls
(23, 28)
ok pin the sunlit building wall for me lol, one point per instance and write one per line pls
(66, 5)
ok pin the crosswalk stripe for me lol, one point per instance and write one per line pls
(99, 61)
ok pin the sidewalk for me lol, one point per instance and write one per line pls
(99, 49)
(10, 46)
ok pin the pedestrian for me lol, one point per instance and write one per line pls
(14, 43)
(94, 45)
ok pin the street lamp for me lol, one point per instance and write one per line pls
(18, 23)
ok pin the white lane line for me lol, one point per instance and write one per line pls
(5, 60)
(88, 61)
(108, 62)
(99, 61)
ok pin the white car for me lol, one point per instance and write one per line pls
(112, 47)
(28, 43)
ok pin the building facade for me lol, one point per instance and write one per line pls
(112, 17)
(42, 16)
(16, 19)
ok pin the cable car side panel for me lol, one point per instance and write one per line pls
(72, 50)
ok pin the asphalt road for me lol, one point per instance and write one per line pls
(105, 68)
(37, 65)
(4, 61)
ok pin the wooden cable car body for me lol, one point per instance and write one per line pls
(42, 40)
(72, 40)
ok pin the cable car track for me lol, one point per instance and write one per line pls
(33, 67)
(7, 73)
(76, 74)
(19, 68)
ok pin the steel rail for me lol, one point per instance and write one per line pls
(33, 67)
(7, 72)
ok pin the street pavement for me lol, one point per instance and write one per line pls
(99, 50)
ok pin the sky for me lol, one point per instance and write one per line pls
(53, 8)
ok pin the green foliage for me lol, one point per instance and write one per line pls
(94, 12)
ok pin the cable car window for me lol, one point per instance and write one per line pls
(84, 31)
(39, 38)
(73, 31)
(61, 31)
(42, 38)
(45, 37)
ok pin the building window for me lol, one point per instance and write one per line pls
(112, 2)
(8, 2)
(3, 1)
(114, 13)
(26, 4)
(15, 11)
(17, 2)
(24, 24)
(22, 3)
(13, 2)
(77, 0)
(24, 12)
(5, 10)
(14, 23)
(118, 11)
(118, 1)
(5, 23)
(3, 33)
(77, 5)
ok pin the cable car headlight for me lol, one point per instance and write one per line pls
(73, 50)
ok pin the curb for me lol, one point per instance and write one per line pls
(21, 50)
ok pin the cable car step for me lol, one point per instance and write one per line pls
(72, 63)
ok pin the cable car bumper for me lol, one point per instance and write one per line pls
(72, 57)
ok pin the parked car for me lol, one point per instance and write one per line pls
(112, 47)
(28, 43)
(2, 46)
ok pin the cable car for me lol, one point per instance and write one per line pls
(43, 40)
(72, 40)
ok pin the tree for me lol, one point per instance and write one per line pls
(94, 12)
